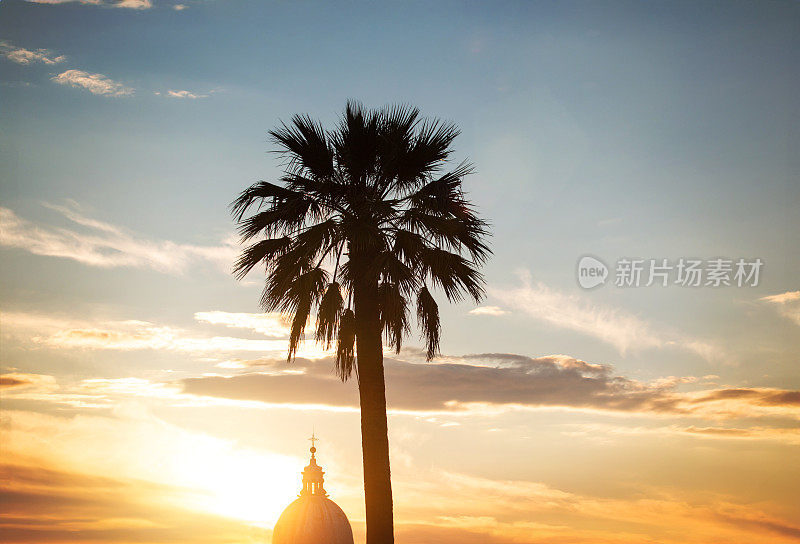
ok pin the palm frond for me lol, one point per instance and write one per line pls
(393, 309)
(316, 239)
(428, 319)
(357, 142)
(303, 293)
(472, 235)
(454, 233)
(393, 270)
(330, 311)
(426, 154)
(287, 289)
(453, 274)
(397, 124)
(327, 191)
(265, 250)
(345, 361)
(282, 217)
(299, 321)
(409, 246)
(259, 191)
(443, 194)
(306, 146)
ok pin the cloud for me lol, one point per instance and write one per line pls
(322, 388)
(147, 336)
(105, 245)
(498, 382)
(179, 7)
(132, 4)
(185, 94)
(94, 83)
(791, 435)
(488, 310)
(781, 434)
(133, 335)
(788, 304)
(11, 381)
(783, 298)
(126, 4)
(41, 383)
(523, 512)
(763, 397)
(611, 325)
(269, 324)
(20, 55)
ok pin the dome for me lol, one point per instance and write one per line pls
(313, 518)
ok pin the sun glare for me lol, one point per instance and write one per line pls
(247, 485)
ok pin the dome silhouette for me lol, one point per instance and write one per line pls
(313, 518)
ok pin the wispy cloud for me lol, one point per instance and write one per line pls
(488, 310)
(105, 245)
(134, 335)
(129, 335)
(269, 324)
(132, 4)
(138, 336)
(621, 329)
(789, 435)
(788, 304)
(185, 94)
(94, 83)
(20, 55)
(127, 4)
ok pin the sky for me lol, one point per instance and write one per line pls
(145, 398)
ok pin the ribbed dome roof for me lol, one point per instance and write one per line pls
(312, 519)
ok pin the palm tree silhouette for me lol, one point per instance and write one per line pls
(364, 220)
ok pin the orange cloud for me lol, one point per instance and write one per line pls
(501, 381)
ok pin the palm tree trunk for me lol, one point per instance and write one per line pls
(374, 430)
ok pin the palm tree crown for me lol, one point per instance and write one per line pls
(370, 202)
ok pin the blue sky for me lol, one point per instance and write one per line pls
(618, 129)
(652, 131)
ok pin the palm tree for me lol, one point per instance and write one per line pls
(363, 223)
